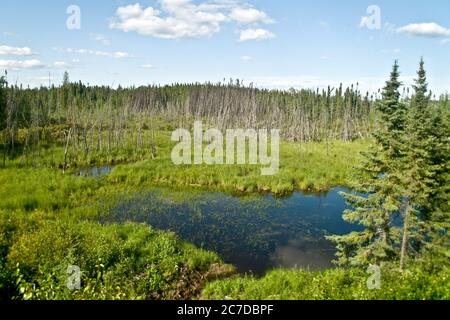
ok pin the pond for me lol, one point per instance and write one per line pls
(255, 234)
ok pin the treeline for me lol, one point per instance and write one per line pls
(82, 118)
(405, 179)
(305, 115)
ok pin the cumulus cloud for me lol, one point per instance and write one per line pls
(15, 51)
(246, 58)
(177, 19)
(116, 54)
(255, 34)
(185, 20)
(431, 29)
(249, 16)
(21, 64)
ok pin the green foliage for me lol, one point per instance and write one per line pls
(306, 166)
(376, 208)
(77, 124)
(117, 261)
(47, 222)
(423, 171)
(336, 284)
(405, 173)
(48, 219)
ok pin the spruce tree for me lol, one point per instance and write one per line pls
(374, 210)
(422, 170)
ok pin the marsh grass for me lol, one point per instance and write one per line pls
(303, 166)
(419, 283)
(48, 221)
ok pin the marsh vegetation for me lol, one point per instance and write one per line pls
(86, 179)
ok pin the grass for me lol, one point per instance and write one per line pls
(117, 261)
(335, 284)
(306, 166)
(48, 220)
(303, 166)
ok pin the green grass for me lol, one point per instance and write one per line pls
(307, 167)
(303, 166)
(117, 261)
(48, 221)
(336, 284)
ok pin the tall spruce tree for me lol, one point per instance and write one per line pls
(374, 211)
(422, 169)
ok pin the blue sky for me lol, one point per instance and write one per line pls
(275, 44)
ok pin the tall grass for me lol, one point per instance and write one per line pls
(303, 166)
(336, 284)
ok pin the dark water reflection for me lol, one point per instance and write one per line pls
(254, 234)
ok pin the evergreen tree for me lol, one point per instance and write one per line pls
(374, 211)
(406, 172)
(422, 169)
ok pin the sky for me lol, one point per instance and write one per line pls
(273, 44)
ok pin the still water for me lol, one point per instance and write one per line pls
(255, 234)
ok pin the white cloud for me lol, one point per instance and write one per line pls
(100, 38)
(15, 51)
(116, 54)
(19, 65)
(184, 20)
(255, 34)
(431, 29)
(246, 58)
(147, 66)
(249, 16)
(177, 19)
(119, 54)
